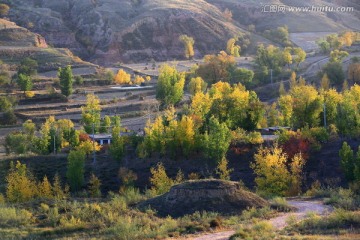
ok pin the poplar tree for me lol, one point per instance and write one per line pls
(66, 80)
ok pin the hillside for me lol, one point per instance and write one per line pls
(17, 43)
(138, 30)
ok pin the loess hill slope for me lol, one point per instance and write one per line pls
(17, 43)
(138, 30)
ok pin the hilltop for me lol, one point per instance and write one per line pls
(107, 31)
(17, 43)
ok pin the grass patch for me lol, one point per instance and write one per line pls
(338, 222)
(281, 204)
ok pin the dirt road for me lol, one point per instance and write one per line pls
(303, 207)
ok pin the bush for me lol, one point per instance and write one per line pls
(132, 195)
(94, 186)
(343, 198)
(260, 231)
(261, 213)
(12, 217)
(338, 220)
(159, 180)
(281, 204)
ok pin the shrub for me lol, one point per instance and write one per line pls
(29, 94)
(262, 213)
(333, 223)
(261, 231)
(281, 204)
(343, 198)
(132, 195)
(94, 186)
(12, 217)
(222, 169)
(159, 180)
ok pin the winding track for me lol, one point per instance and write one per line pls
(303, 207)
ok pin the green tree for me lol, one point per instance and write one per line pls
(105, 124)
(335, 72)
(17, 142)
(66, 80)
(243, 76)
(91, 114)
(170, 86)
(357, 166)
(117, 144)
(347, 161)
(189, 45)
(25, 82)
(75, 169)
(324, 46)
(217, 140)
(338, 56)
(5, 104)
(300, 56)
(348, 115)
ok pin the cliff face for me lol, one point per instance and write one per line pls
(137, 30)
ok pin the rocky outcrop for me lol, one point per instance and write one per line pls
(13, 35)
(204, 195)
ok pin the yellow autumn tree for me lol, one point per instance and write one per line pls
(222, 169)
(138, 80)
(273, 176)
(154, 137)
(122, 77)
(325, 82)
(197, 85)
(159, 180)
(88, 146)
(21, 186)
(189, 45)
(201, 104)
(45, 188)
(186, 134)
(232, 48)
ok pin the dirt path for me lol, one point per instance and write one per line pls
(303, 207)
